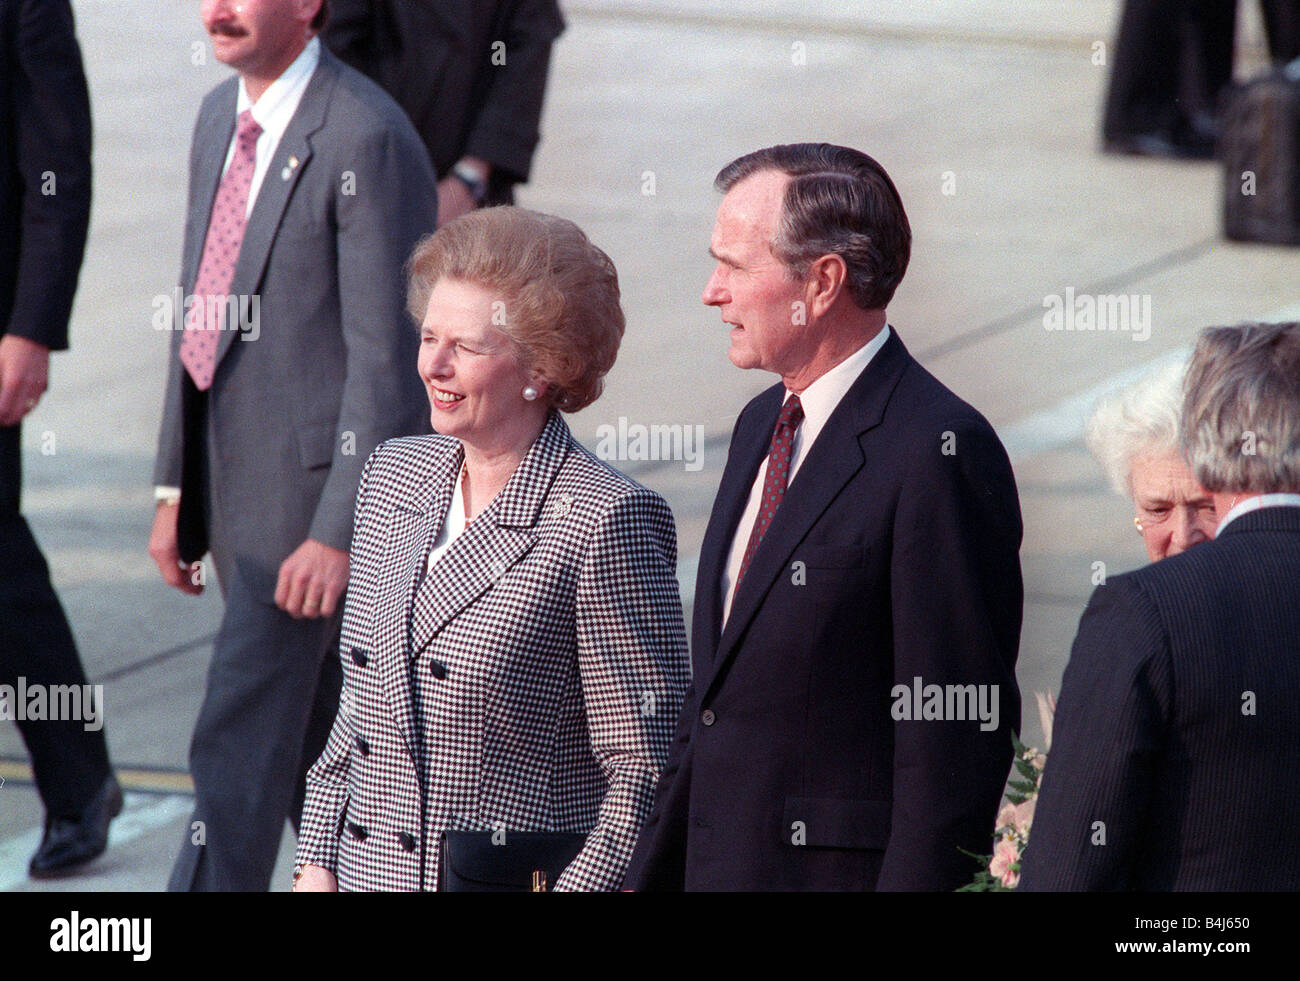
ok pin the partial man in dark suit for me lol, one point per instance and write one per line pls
(308, 190)
(44, 215)
(471, 74)
(1175, 745)
(854, 635)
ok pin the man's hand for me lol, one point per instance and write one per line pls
(454, 200)
(311, 581)
(24, 375)
(313, 878)
(164, 551)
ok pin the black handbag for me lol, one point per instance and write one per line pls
(508, 861)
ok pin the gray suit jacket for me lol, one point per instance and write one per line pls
(326, 372)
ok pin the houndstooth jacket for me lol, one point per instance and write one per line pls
(548, 658)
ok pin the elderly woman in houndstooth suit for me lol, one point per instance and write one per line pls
(513, 647)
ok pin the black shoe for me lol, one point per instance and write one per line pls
(1186, 141)
(72, 842)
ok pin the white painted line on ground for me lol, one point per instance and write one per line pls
(141, 814)
(1061, 424)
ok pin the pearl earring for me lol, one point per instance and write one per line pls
(1137, 523)
(531, 393)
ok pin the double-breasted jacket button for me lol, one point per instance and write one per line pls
(407, 841)
(499, 567)
(358, 831)
(707, 717)
(363, 747)
(437, 669)
(359, 657)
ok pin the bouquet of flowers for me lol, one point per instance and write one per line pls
(1000, 871)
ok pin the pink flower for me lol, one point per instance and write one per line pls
(1023, 815)
(1006, 816)
(1006, 856)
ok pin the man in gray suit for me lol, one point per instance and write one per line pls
(291, 359)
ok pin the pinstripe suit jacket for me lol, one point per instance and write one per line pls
(1178, 731)
(545, 652)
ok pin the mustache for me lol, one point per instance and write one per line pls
(226, 29)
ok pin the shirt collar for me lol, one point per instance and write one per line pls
(1254, 504)
(821, 397)
(280, 100)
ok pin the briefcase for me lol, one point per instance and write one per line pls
(1259, 146)
(508, 861)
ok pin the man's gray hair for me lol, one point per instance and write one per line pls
(1241, 417)
(1140, 419)
(839, 202)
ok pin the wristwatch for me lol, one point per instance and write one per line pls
(470, 177)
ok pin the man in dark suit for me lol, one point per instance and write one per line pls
(1175, 746)
(295, 361)
(471, 74)
(854, 636)
(44, 214)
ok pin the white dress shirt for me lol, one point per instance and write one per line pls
(273, 112)
(819, 400)
(1254, 504)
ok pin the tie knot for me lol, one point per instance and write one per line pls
(791, 414)
(247, 127)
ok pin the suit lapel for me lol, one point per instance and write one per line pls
(831, 463)
(748, 449)
(412, 525)
(493, 542)
(207, 178)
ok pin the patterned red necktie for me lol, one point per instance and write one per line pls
(203, 322)
(777, 479)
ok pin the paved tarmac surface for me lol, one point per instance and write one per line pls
(985, 113)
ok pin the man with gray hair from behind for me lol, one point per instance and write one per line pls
(1174, 754)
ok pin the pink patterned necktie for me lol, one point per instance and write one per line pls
(777, 479)
(203, 322)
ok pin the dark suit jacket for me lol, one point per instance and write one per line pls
(297, 406)
(888, 560)
(437, 59)
(1178, 725)
(45, 135)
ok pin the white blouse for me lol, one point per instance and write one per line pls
(452, 524)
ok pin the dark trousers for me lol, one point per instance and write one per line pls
(272, 692)
(36, 643)
(1173, 58)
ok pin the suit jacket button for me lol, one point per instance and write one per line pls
(363, 746)
(359, 656)
(358, 832)
(438, 669)
(407, 841)
(707, 717)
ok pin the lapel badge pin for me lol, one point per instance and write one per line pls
(288, 171)
(563, 505)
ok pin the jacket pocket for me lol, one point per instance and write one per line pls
(822, 822)
(316, 445)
